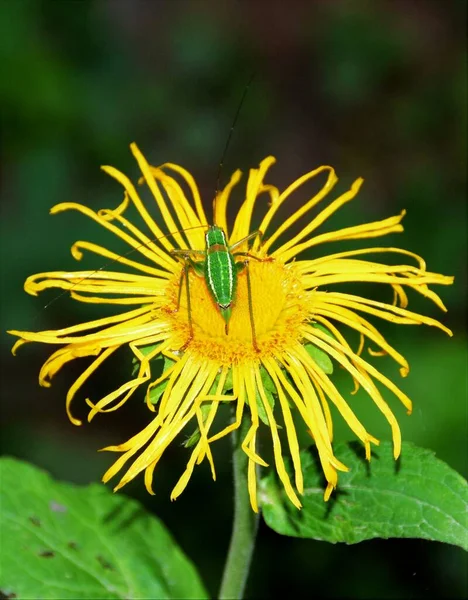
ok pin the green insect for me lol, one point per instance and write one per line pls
(220, 270)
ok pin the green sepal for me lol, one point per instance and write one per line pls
(261, 409)
(162, 363)
(268, 383)
(159, 365)
(228, 384)
(270, 392)
(145, 350)
(195, 436)
(320, 357)
(205, 408)
(323, 329)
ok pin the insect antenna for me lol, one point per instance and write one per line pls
(115, 260)
(218, 178)
(231, 131)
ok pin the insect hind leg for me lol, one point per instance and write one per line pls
(241, 266)
(189, 263)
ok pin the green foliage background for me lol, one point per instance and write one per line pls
(376, 89)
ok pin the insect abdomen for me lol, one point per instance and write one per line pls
(221, 276)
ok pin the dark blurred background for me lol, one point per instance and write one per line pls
(375, 88)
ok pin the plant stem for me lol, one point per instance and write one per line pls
(244, 527)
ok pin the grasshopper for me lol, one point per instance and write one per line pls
(217, 264)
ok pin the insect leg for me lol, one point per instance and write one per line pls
(189, 305)
(251, 236)
(251, 315)
(181, 280)
(267, 259)
(186, 253)
(184, 275)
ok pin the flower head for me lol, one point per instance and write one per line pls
(262, 356)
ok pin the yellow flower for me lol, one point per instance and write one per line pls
(277, 380)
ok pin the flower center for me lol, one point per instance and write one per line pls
(278, 311)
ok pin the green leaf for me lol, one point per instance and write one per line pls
(418, 496)
(65, 541)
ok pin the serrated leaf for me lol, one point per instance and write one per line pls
(66, 541)
(418, 496)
